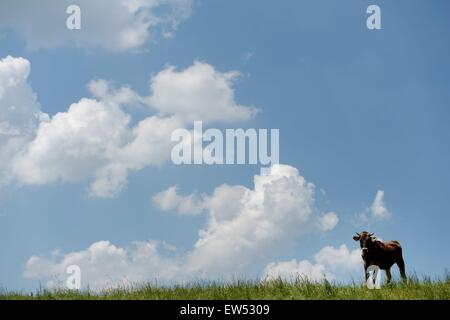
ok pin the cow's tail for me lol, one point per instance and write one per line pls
(400, 261)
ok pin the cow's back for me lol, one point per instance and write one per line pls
(393, 245)
(386, 254)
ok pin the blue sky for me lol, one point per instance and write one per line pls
(358, 111)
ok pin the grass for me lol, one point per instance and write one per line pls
(425, 289)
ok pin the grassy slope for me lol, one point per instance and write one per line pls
(414, 289)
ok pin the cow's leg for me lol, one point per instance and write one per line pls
(365, 273)
(401, 266)
(388, 276)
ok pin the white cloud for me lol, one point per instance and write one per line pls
(293, 271)
(246, 229)
(169, 200)
(376, 212)
(198, 93)
(224, 204)
(339, 258)
(245, 224)
(279, 208)
(378, 208)
(20, 113)
(329, 263)
(74, 143)
(329, 221)
(115, 25)
(95, 139)
(149, 145)
(105, 266)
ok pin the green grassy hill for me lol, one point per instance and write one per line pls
(304, 290)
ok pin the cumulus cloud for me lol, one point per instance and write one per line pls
(279, 208)
(329, 221)
(95, 138)
(104, 265)
(378, 209)
(20, 112)
(246, 228)
(293, 271)
(114, 25)
(225, 204)
(329, 263)
(248, 223)
(169, 200)
(376, 212)
(339, 258)
(222, 205)
(198, 93)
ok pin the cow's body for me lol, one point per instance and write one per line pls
(383, 255)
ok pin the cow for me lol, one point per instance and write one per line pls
(383, 255)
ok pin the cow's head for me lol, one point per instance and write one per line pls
(365, 241)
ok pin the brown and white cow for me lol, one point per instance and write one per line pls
(383, 255)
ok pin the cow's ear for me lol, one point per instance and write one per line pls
(356, 238)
